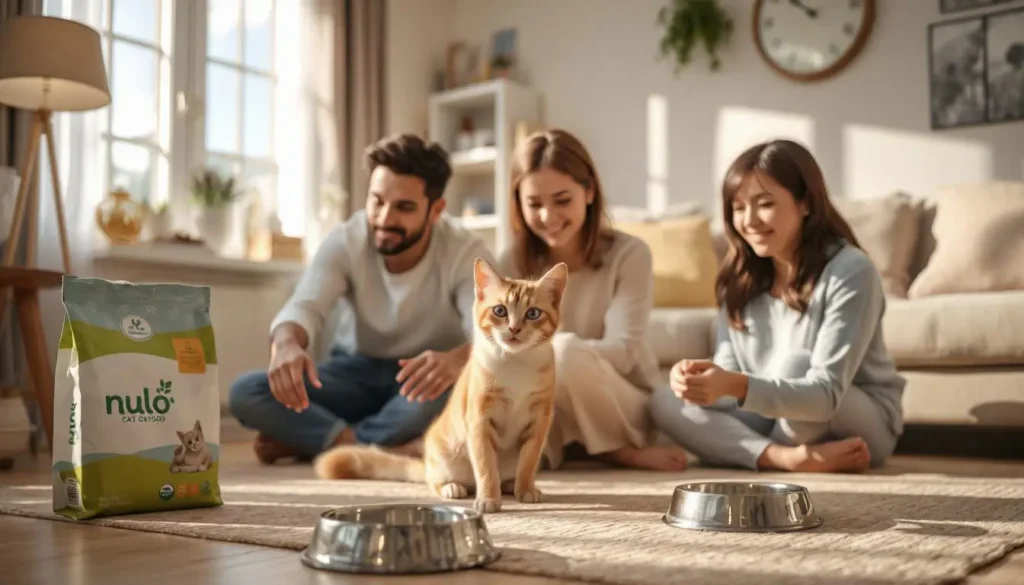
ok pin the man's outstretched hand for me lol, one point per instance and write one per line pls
(428, 375)
(288, 362)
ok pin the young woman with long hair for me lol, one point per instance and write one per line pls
(801, 379)
(605, 368)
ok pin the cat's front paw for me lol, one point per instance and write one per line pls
(487, 505)
(528, 494)
(454, 491)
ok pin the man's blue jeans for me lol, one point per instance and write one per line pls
(358, 392)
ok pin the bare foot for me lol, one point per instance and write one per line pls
(846, 455)
(653, 458)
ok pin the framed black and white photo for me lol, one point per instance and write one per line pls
(948, 6)
(956, 71)
(1004, 47)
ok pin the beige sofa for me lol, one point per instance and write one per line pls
(953, 270)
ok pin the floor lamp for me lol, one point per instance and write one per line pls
(48, 65)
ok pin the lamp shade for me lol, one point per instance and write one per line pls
(52, 64)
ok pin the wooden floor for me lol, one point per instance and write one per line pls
(38, 552)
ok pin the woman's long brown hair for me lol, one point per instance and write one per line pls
(745, 275)
(563, 152)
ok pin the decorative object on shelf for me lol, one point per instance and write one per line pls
(456, 64)
(216, 196)
(474, 206)
(503, 54)
(976, 70)
(36, 75)
(483, 137)
(120, 217)
(271, 244)
(805, 43)
(464, 139)
(948, 6)
(160, 222)
(688, 23)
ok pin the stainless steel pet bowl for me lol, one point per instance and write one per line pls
(741, 507)
(399, 538)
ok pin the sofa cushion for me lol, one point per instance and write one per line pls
(956, 330)
(975, 329)
(676, 334)
(979, 241)
(887, 229)
(684, 259)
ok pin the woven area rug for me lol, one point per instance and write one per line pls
(897, 526)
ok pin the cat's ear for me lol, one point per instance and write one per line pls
(554, 282)
(197, 427)
(181, 436)
(484, 277)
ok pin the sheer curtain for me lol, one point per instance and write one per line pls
(14, 131)
(80, 164)
(345, 72)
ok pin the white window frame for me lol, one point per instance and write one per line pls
(179, 152)
(198, 60)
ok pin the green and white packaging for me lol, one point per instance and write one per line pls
(136, 422)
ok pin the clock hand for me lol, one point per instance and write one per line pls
(810, 12)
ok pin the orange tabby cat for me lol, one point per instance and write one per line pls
(490, 436)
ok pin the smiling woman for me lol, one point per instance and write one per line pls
(801, 379)
(605, 367)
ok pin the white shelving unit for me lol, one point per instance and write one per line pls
(480, 178)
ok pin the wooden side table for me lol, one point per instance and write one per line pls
(27, 282)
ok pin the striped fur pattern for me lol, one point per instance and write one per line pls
(490, 436)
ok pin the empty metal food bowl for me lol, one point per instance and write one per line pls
(741, 507)
(399, 538)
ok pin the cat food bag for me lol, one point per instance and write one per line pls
(136, 423)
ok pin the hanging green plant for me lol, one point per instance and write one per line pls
(688, 23)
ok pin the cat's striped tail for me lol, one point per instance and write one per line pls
(367, 462)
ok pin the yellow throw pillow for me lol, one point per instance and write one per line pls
(685, 265)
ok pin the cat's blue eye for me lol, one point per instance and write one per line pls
(533, 313)
(499, 311)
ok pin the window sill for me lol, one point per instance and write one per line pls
(195, 257)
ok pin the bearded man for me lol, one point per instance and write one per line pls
(402, 276)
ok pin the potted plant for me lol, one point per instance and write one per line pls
(215, 194)
(161, 222)
(688, 23)
(501, 66)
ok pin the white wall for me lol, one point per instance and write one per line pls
(596, 63)
(417, 32)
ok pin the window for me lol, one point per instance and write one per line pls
(240, 90)
(194, 84)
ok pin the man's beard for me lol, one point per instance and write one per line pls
(407, 241)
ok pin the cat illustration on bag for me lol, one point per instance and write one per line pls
(192, 455)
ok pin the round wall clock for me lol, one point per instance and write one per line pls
(809, 40)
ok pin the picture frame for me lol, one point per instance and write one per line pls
(976, 70)
(954, 6)
(1004, 69)
(957, 89)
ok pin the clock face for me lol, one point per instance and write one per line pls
(809, 39)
